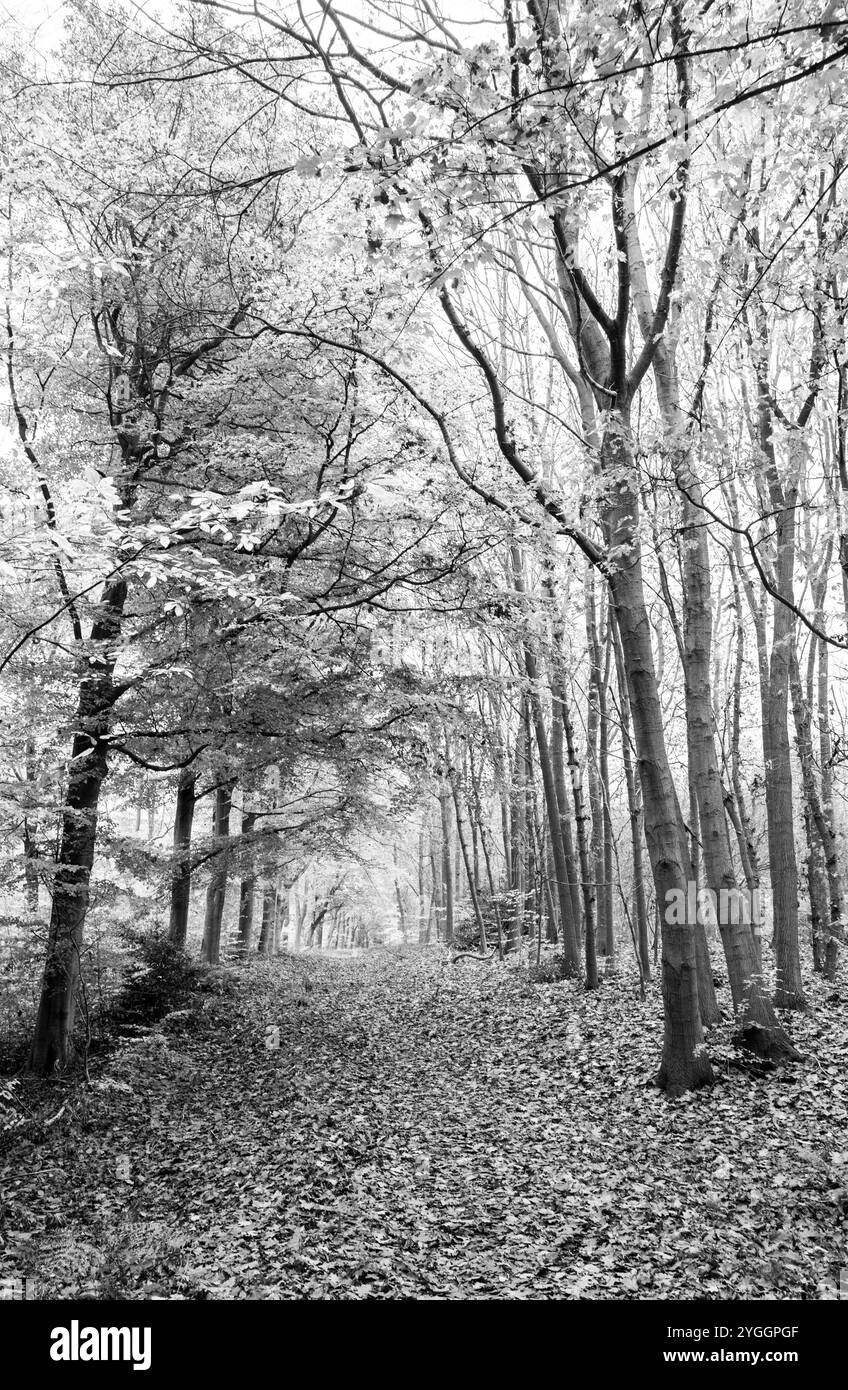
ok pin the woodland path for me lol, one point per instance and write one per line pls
(432, 1130)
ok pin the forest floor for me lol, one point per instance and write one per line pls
(430, 1130)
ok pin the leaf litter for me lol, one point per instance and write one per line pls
(421, 1130)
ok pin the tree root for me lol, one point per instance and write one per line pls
(770, 1044)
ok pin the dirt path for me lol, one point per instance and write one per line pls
(430, 1130)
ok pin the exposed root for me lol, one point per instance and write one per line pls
(770, 1044)
(474, 955)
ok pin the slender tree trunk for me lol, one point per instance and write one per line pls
(841, 428)
(707, 1001)
(593, 724)
(181, 870)
(247, 887)
(549, 878)
(737, 808)
(684, 1064)
(266, 929)
(487, 859)
(570, 940)
(779, 806)
(438, 889)
(531, 883)
(30, 826)
(635, 811)
(399, 898)
(217, 888)
(466, 858)
(608, 927)
(758, 1027)
(558, 762)
(423, 915)
(518, 835)
(782, 498)
(820, 833)
(281, 916)
(447, 865)
(581, 819)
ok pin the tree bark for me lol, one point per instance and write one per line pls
(783, 867)
(52, 1043)
(181, 870)
(685, 1065)
(593, 732)
(581, 819)
(267, 940)
(423, 913)
(447, 865)
(518, 835)
(824, 854)
(246, 888)
(466, 858)
(635, 811)
(558, 760)
(217, 889)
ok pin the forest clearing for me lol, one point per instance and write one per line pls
(423, 650)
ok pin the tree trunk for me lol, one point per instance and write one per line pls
(247, 887)
(181, 871)
(266, 930)
(490, 877)
(570, 942)
(737, 808)
(447, 865)
(518, 835)
(707, 1001)
(603, 770)
(52, 1044)
(781, 821)
(758, 1026)
(685, 1064)
(466, 858)
(782, 501)
(593, 725)
(281, 915)
(30, 831)
(423, 914)
(823, 849)
(581, 819)
(635, 811)
(558, 761)
(438, 893)
(217, 890)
